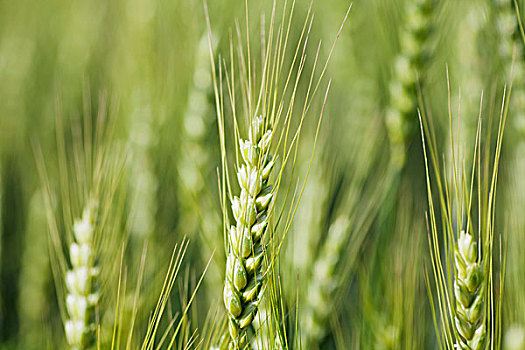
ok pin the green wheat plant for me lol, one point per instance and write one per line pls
(467, 296)
(312, 209)
(265, 136)
(88, 234)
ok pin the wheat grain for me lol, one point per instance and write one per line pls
(268, 105)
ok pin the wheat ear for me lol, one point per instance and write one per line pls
(469, 291)
(82, 295)
(468, 302)
(244, 277)
(415, 51)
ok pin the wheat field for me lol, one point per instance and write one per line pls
(277, 174)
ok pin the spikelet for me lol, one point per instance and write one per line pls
(415, 52)
(244, 278)
(469, 292)
(82, 294)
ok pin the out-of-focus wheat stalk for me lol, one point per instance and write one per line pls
(323, 282)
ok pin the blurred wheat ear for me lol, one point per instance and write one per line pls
(84, 211)
(409, 67)
(466, 291)
(200, 215)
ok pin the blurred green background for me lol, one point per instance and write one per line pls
(150, 58)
